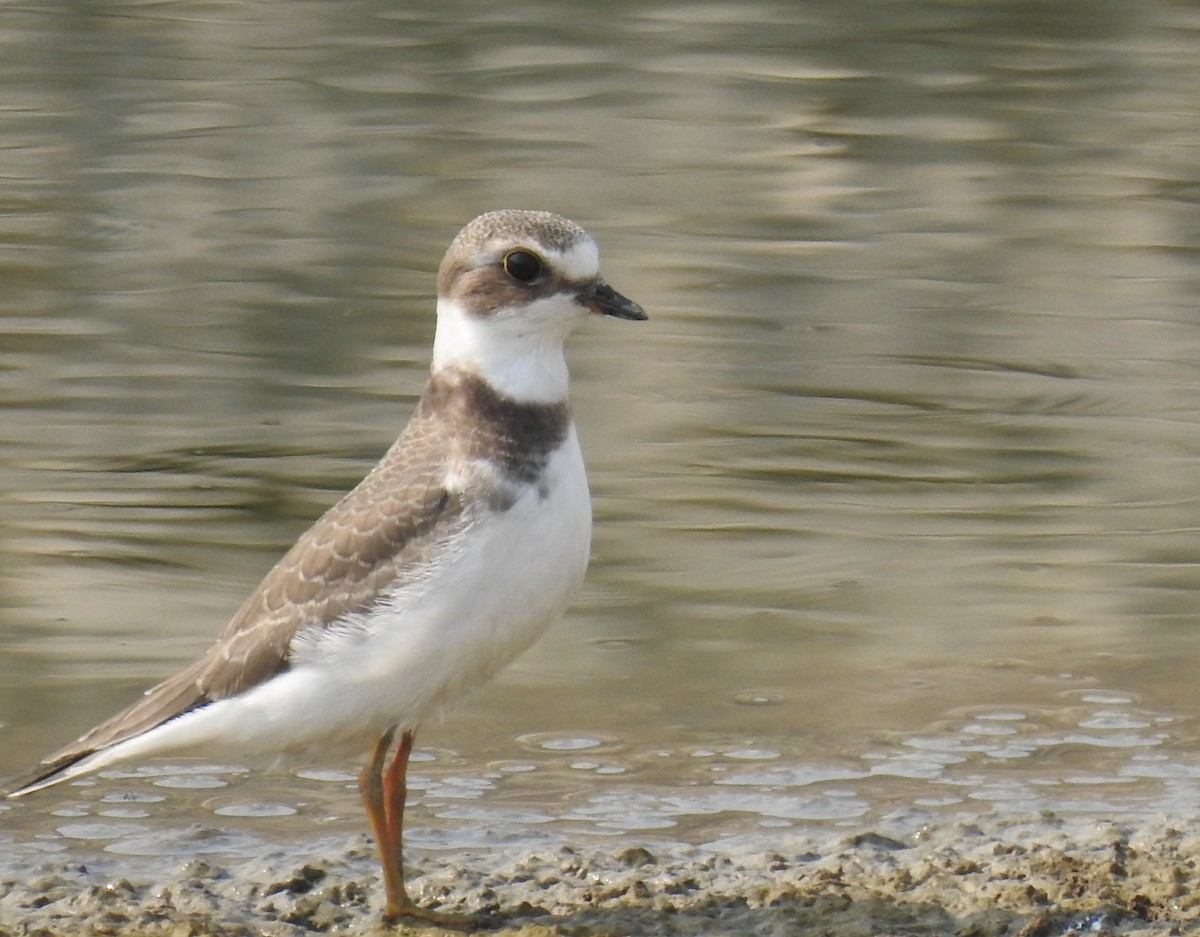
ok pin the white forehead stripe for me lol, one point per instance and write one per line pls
(580, 261)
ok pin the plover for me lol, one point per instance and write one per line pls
(450, 558)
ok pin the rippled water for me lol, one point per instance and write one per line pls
(896, 492)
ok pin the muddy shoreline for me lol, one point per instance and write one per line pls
(1035, 877)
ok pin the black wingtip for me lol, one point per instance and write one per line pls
(36, 779)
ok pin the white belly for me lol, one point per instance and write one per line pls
(513, 577)
(509, 577)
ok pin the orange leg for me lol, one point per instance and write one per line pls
(383, 793)
(370, 787)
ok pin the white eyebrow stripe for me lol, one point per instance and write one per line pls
(580, 261)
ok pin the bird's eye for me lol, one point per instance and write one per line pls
(522, 265)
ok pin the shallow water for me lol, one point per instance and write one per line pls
(895, 492)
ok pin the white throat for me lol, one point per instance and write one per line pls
(518, 355)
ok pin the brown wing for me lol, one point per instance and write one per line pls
(375, 537)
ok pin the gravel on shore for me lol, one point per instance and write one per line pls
(1039, 877)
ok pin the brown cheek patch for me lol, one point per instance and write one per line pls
(485, 290)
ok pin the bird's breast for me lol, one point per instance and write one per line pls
(496, 585)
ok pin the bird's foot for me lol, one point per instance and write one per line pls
(410, 912)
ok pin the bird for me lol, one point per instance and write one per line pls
(453, 554)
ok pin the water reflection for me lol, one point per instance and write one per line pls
(899, 473)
